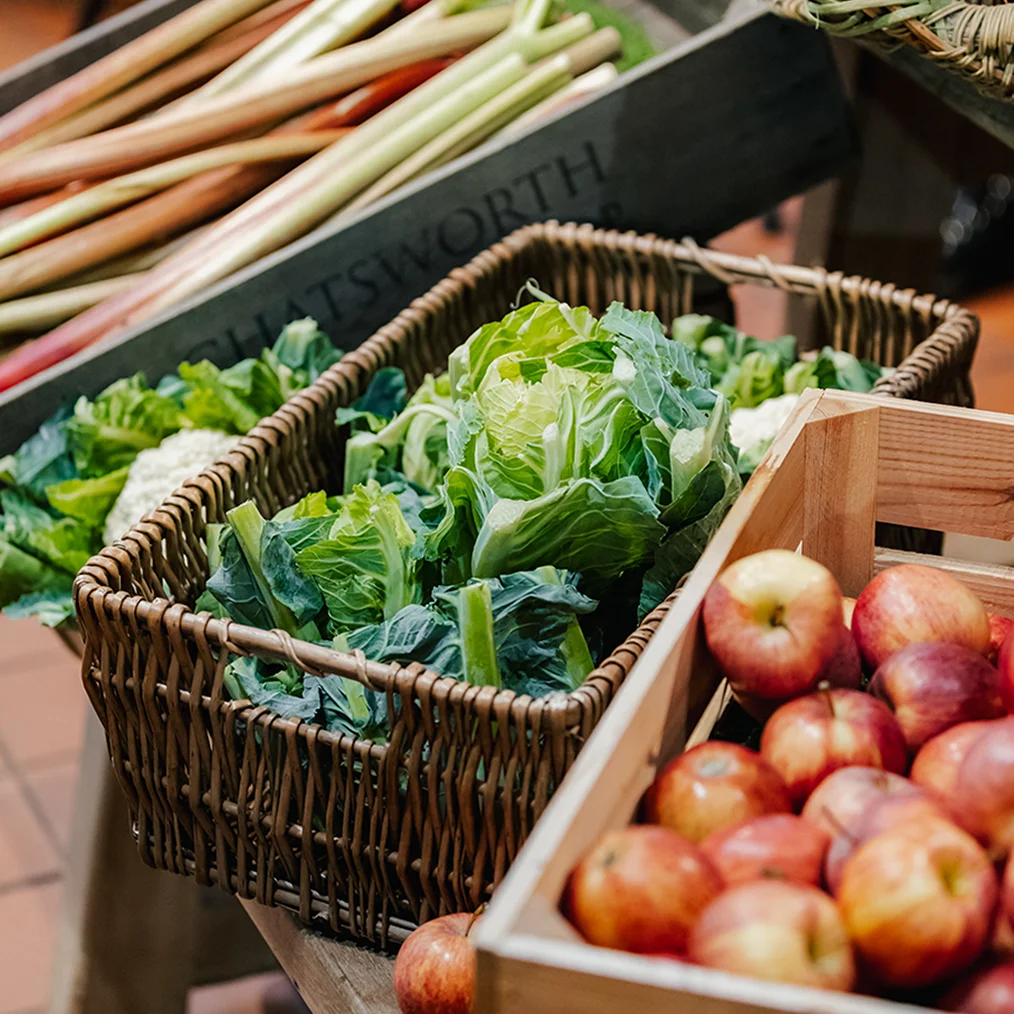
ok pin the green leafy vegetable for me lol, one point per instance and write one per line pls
(364, 568)
(88, 500)
(49, 608)
(128, 416)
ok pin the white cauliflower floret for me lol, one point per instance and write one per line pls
(753, 429)
(159, 471)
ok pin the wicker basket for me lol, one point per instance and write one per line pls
(974, 39)
(366, 838)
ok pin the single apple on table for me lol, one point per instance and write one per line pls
(811, 737)
(989, 990)
(713, 786)
(778, 932)
(935, 767)
(773, 622)
(918, 902)
(434, 972)
(640, 889)
(931, 687)
(1000, 628)
(881, 815)
(778, 846)
(983, 798)
(909, 604)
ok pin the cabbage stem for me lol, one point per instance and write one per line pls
(475, 625)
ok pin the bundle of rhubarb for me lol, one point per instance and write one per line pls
(239, 126)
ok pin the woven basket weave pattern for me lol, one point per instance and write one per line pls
(369, 838)
(975, 39)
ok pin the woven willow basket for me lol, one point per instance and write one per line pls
(974, 39)
(366, 838)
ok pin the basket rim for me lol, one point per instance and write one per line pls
(910, 23)
(94, 585)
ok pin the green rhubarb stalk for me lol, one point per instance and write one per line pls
(587, 84)
(573, 647)
(469, 131)
(541, 81)
(360, 170)
(35, 314)
(124, 190)
(475, 625)
(324, 25)
(311, 185)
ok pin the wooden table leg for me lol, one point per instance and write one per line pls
(124, 927)
(133, 940)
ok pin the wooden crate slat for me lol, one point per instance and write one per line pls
(939, 468)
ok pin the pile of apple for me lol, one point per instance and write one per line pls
(865, 846)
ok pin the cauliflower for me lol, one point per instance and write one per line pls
(159, 471)
(753, 429)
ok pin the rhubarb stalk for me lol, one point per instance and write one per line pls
(158, 87)
(139, 144)
(123, 67)
(34, 314)
(324, 25)
(95, 201)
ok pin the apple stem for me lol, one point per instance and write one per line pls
(833, 820)
(475, 917)
(824, 689)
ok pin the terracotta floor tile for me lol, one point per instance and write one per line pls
(42, 718)
(28, 920)
(53, 791)
(25, 646)
(26, 852)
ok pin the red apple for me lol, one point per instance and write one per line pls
(1005, 665)
(881, 815)
(778, 846)
(918, 902)
(434, 972)
(714, 786)
(778, 932)
(983, 799)
(936, 765)
(808, 738)
(989, 991)
(909, 604)
(1003, 933)
(931, 687)
(773, 622)
(845, 670)
(841, 799)
(1000, 628)
(640, 889)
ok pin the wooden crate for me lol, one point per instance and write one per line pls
(843, 463)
